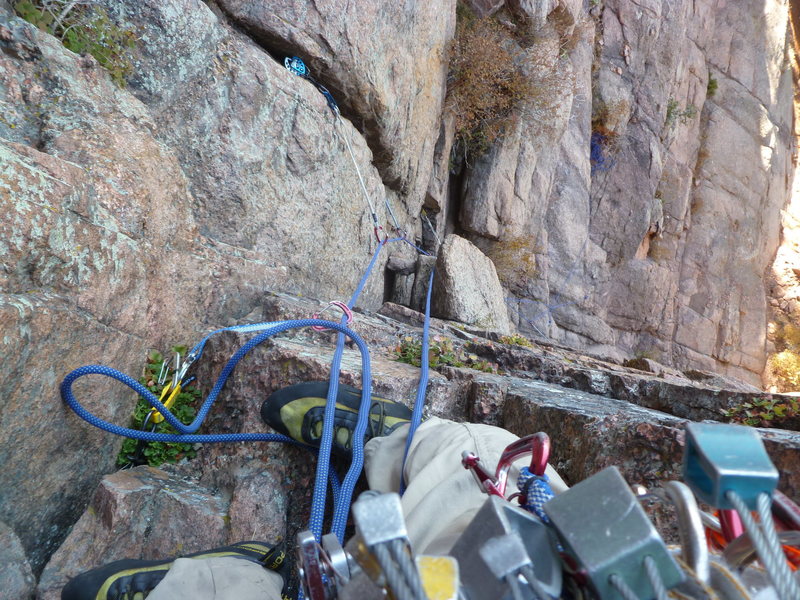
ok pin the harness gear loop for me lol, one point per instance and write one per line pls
(341, 306)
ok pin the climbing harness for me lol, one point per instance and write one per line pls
(379, 551)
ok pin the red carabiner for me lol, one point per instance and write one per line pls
(376, 229)
(537, 444)
(540, 453)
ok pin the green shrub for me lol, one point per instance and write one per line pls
(84, 29)
(675, 114)
(791, 335)
(711, 89)
(441, 352)
(157, 453)
(783, 368)
(516, 340)
(764, 412)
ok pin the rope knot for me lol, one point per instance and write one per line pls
(535, 491)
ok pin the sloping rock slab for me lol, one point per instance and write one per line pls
(16, 578)
(138, 513)
(590, 433)
(679, 396)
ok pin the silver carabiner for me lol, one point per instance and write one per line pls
(694, 547)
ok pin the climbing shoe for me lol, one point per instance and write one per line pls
(297, 411)
(131, 579)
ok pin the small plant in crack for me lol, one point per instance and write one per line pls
(157, 453)
(442, 352)
(84, 28)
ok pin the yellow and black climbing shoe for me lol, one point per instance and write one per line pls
(131, 579)
(297, 411)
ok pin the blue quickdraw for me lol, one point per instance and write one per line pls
(298, 67)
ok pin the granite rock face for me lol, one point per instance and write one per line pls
(141, 217)
(393, 90)
(726, 93)
(658, 244)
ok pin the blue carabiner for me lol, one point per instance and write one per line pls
(296, 66)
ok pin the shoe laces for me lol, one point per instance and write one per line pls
(377, 430)
(376, 421)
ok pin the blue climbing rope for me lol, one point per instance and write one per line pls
(536, 490)
(69, 398)
(422, 386)
(342, 506)
(342, 493)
